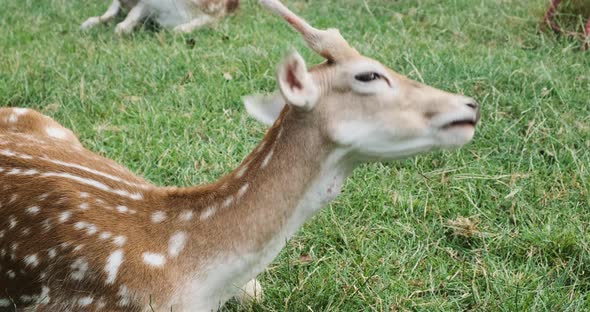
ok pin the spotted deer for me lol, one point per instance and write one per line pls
(80, 232)
(183, 16)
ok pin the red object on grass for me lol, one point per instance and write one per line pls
(587, 41)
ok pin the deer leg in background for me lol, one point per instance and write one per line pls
(106, 17)
(548, 19)
(586, 38)
(136, 14)
(193, 24)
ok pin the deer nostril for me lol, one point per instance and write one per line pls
(473, 105)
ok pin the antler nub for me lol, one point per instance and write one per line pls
(328, 43)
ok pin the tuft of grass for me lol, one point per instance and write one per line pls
(464, 227)
(162, 105)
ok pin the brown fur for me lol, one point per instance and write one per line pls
(232, 5)
(230, 226)
(217, 8)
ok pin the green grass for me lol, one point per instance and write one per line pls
(159, 104)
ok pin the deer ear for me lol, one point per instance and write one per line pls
(265, 108)
(296, 83)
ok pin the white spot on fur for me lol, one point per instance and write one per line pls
(56, 133)
(154, 259)
(14, 171)
(31, 260)
(44, 296)
(5, 303)
(80, 225)
(64, 216)
(33, 210)
(84, 195)
(114, 261)
(124, 296)
(105, 235)
(261, 146)
(228, 201)
(243, 190)
(46, 225)
(267, 159)
(27, 298)
(13, 248)
(242, 171)
(79, 268)
(96, 172)
(158, 216)
(186, 215)
(176, 244)
(93, 183)
(52, 253)
(9, 153)
(100, 303)
(19, 111)
(85, 301)
(119, 240)
(10, 274)
(209, 211)
(122, 209)
(91, 229)
(30, 172)
(84, 206)
(280, 133)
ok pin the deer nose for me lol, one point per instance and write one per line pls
(474, 106)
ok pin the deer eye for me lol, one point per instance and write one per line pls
(366, 77)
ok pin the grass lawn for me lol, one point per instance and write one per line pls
(396, 239)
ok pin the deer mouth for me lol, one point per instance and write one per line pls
(459, 123)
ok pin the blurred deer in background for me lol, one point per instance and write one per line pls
(182, 15)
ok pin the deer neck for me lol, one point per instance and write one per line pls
(291, 174)
(295, 174)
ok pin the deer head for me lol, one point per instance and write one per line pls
(359, 103)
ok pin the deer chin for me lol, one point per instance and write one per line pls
(456, 134)
(454, 130)
(369, 142)
(391, 151)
